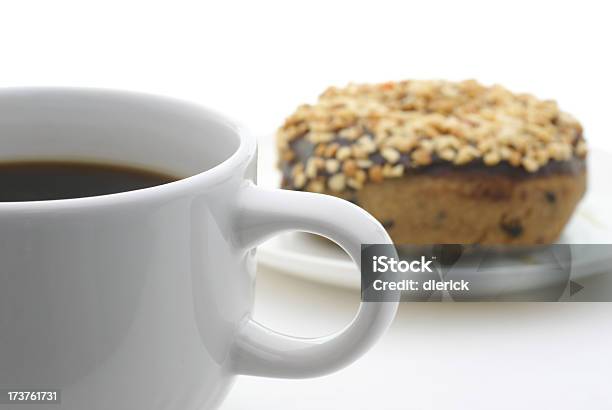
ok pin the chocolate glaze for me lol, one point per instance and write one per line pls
(304, 149)
(574, 166)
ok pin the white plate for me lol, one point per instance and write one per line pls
(314, 258)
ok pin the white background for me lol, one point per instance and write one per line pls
(257, 60)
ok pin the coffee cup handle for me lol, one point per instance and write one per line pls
(263, 213)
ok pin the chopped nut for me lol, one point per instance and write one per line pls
(330, 150)
(343, 153)
(299, 181)
(446, 141)
(520, 142)
(448, 154)
(316, 186)
(364, 163)
(421, 156)
(297, 169)
(350, 168)
(320, 150)
(337, 182)
(390, 171)
(332, 166)
(559, 151)
(402, 143)
(354, 184)
(540, 132)
(505, 153)
(541, 156)
(426, 145)
(491, 158)
(530, 164)
(367, 144)
(390, 154)
(360, 176)
(294, 131)
(287, 156)
(351, 133)
(581, 149)
(487, 145)
(466, 154)
(312, 167)
(317, 137)
(359, 152)
(320, 126)
(515, 159)
(375, 173)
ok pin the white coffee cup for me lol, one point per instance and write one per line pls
(143, 299)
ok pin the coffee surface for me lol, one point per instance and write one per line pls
(48, 180)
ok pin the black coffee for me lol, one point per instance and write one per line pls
(39, 181)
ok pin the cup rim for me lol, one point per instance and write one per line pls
(247, 148)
